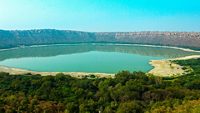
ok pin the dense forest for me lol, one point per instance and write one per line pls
(17, 38)
(128, 92)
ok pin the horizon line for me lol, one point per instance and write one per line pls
(95, 31)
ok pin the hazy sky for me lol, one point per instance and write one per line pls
(101, 15)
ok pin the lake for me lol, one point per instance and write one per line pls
(103, 58)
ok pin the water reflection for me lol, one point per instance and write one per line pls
(54, 50)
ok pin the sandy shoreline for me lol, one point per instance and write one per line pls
(161, 67)
(165, 68)
(168, 68)
(17, 71)
(187, 57)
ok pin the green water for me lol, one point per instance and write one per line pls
(105, 58)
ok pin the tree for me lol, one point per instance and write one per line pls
(130, 107)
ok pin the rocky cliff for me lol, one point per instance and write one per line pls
(15, 38)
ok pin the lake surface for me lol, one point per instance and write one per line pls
(104, 58)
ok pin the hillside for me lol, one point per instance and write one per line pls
(126, 93)
(15, 38)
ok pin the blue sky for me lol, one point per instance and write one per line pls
(101, 15)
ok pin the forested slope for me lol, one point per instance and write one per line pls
(126, 93)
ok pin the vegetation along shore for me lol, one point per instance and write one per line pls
(169, 68)
(126, 93)
(164, 67)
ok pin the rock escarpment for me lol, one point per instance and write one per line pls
(16, 38)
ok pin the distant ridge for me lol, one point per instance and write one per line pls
(16, 38)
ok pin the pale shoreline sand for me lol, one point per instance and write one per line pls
(165, 68)
(161, 67)
(17, 71)
(168, 68)
(187, 57)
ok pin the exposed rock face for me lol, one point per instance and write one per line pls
(182, 39)
(17, 38)
(34, 37)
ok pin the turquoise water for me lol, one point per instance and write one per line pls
(87, 57)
